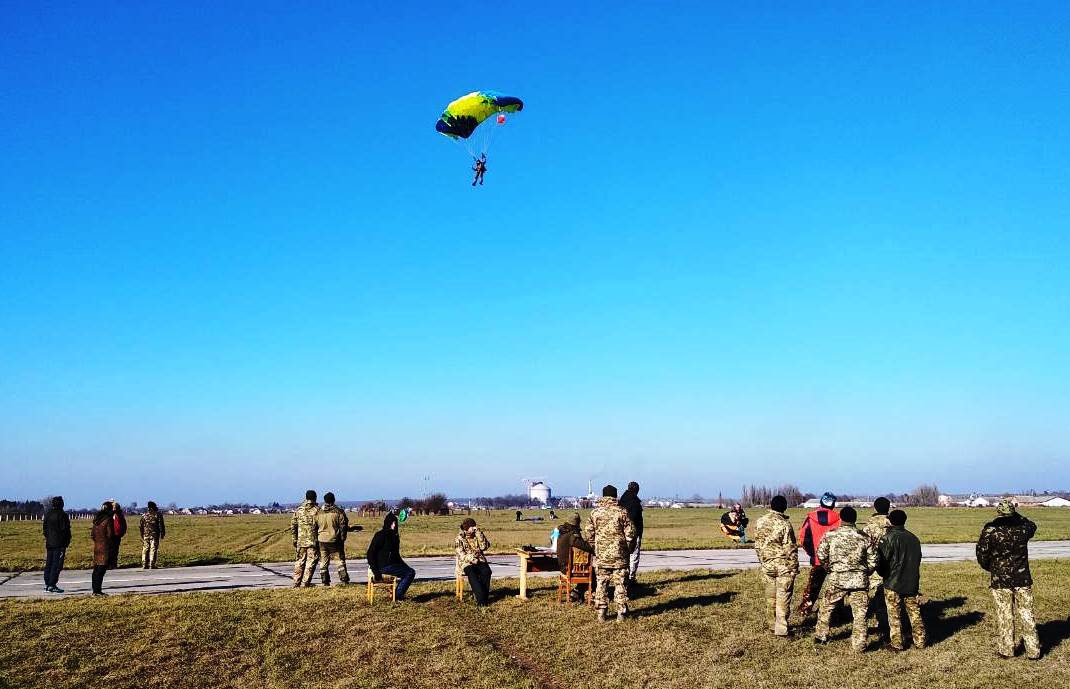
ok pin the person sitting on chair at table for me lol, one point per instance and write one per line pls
(471, 546)
(384, 556)
(571, 537)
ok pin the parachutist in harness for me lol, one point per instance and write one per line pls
(480, 169)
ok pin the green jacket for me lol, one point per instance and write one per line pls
(899, 561)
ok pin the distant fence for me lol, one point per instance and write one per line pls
(27, 517)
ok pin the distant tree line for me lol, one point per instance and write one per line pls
(925, 495)
(22, 506)
(761, 495)
(505, 501)
(435, 503)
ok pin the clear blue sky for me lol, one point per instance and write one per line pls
(722, 244)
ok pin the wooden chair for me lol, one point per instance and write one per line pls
(579, 571)
(388, 582)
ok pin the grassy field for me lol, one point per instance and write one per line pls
(255, 538)
(689, 629)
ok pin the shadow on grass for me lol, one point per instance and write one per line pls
(702, 576)
(688, 602)
(430, 596)
(1053, 633)
(935, 608)
(939, 628)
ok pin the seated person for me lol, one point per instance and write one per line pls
(571, 536)
(384, 556)
(470, 547)
(734, 523)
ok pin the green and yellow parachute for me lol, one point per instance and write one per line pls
(463, 119)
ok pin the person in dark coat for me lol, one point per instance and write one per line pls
(571, 537)
(57, 532)
(103, 535)
(631, 503)
(384, 556)
(899, 564)
(1003, 551)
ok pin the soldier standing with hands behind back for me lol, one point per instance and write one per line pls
(152, 530)
(613, 535)
(305, 538)
(778, 555)
(332, 526)
(846, 554)
(876, 526)
(1003, 550)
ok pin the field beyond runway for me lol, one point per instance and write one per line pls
(206, 540)
(698, 629)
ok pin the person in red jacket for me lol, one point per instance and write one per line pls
(118, 531)
(813, 529)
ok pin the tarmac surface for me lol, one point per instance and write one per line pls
(280, 574)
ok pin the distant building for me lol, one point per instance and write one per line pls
(539, 491)
(1041, 501)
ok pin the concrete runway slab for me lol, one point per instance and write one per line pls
(279, 574)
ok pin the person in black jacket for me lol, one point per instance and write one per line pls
(899, 563)
(1003, 551)
(384, 556)
(57, 530)
(631, 503)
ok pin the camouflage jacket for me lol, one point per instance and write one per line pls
(470, 550)
(1003, 550)
(332, 525)
(774, 542)
(849, 558)
(611, 531)
(303, 525)
(875, 528)
(151, 525)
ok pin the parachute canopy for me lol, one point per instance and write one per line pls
(462, 116)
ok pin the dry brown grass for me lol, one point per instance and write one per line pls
(690, 629)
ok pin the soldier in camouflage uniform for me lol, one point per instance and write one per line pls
(611, 531)
(778, 555)
(1003, 550)
(846, 554)
(305, 538)
(152, 530)
(875, 528)
(332, 526)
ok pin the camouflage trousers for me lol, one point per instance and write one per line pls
(606, 577)
(1016, 605)
(337, 552)
(150, 545)
(876, 587)
(305, 565)
(858, 600)
(895, 604)
(779, 585)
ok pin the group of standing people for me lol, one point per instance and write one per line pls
(107, 532)
(854, 565)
